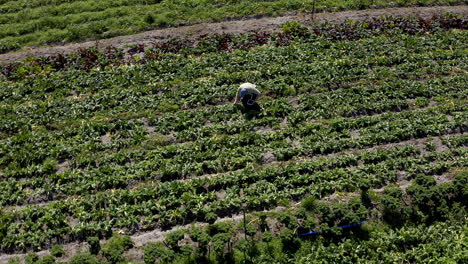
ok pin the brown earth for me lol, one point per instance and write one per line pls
(238, 26)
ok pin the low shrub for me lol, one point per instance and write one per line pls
(114, 248)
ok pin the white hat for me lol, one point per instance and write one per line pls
(247, 85)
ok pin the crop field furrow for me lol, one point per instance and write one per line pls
(279, 191)
(37, 13)
(130, 169)
(397, 102)
(427, 165)
(102, 80)
(361, 109)
(376, 118)
(40, 183)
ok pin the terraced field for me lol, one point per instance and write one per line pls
(93, 144)
(39, 22)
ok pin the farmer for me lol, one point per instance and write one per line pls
(248, 95)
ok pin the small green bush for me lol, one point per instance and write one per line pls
(309, 203)
(84, 258)
(57, 251)
(288, 220)
(173, 238)
(48, 259)
(14, 261)
(167, 107)
(267, 237)
(149, 19)
(295, 29)
(114, 248)
(210, 217)
(156, 141)
(290, 241)
(31, 258)
(94, 245)
(425, 180)
(394, 210)
(461, 185)
(220, 227)
(421, 102)
(157, 252)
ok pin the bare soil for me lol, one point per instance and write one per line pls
(106, 139)
(443, 178)
(439, 145)
(149, 128)
(339, 197)
(284, 123)
(354, 133)
(449, 176)
(264, 130)
(268, 157)
(238, 26)
(63, 166)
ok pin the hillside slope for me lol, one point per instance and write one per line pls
(38, 22)
(232, 27)
(96, 143)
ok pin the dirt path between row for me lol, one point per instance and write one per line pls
(238, 26)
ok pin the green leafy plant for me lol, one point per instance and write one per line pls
(114, 248)
(57, 251)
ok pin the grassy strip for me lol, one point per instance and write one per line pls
(80, 20)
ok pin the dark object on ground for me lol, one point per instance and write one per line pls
(249, 103)
(251, 108)
(254, 107)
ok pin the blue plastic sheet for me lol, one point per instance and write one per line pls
(343, 226)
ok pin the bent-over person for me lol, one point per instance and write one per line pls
(248, 94)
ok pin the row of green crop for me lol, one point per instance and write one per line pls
(219, 154)
(396, 96)
(88, 133)
(139, 93)
(167, 204)
(394, 231)
(317, 60)
(325, 217)
(82, 144)
(210, 153)
(23, 11)
(92, 58)
(129, 183)
(26, 23)
(189, 124)
(184, 120)
(373, 242)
